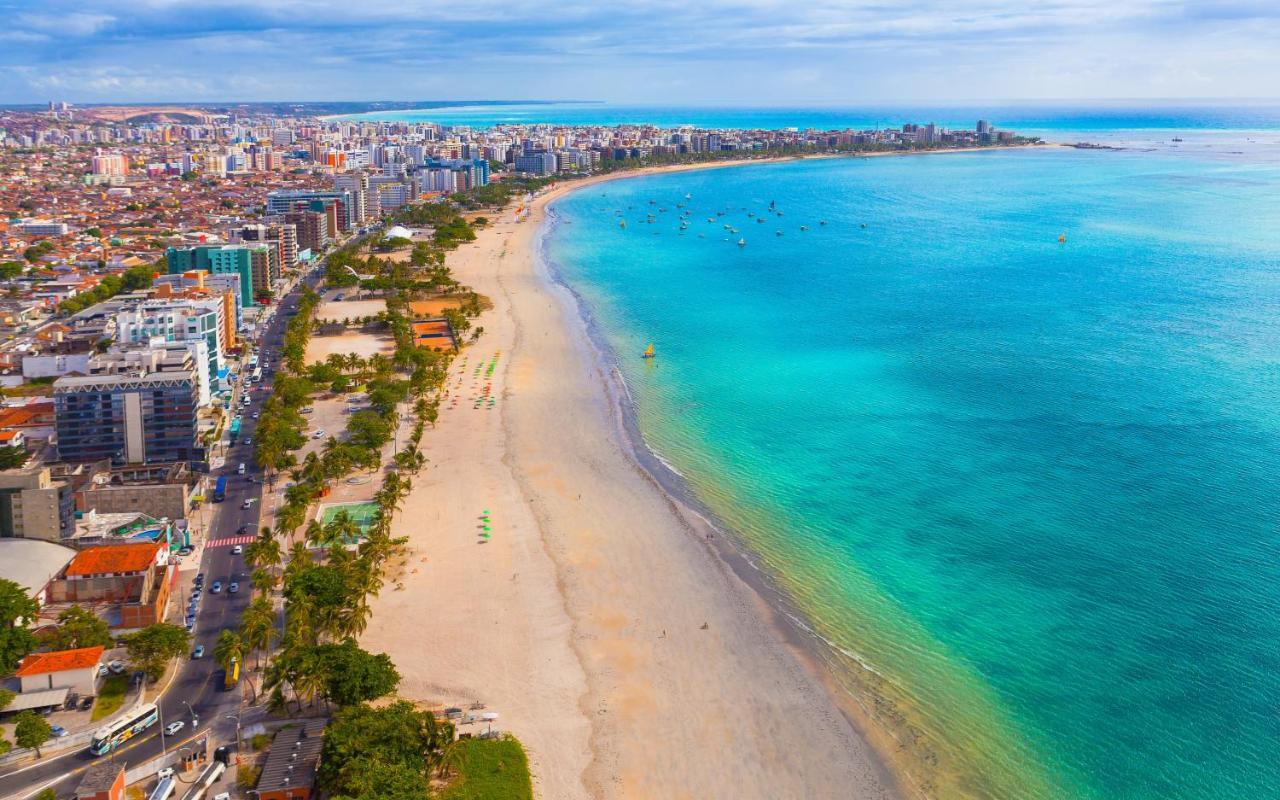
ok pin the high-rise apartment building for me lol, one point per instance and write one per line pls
(312, 230)
(34, 506)
(218, 260)
(135, 407)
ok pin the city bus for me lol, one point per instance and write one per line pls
(256, 377)
(220, 489)
(109, 737)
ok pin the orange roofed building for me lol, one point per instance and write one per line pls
(132, 582)
(75, 670)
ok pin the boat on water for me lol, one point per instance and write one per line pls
(760, 220)
(777, 233)
(822, 222)
(688, 197)
(804, 227)
(742, 243)
(648, 351)
(622, 223)
(1062, 238)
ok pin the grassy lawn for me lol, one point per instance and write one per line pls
(491, 769)
(110, 696)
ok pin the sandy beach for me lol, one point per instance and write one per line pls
(598, 621)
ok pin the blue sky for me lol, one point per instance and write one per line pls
(724, 52)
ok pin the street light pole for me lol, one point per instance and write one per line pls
(236, 717)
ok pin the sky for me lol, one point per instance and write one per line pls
(717, 52)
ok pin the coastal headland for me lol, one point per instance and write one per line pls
(600, 620)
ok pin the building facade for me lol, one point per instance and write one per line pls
(138, 415)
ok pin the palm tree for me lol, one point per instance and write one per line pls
(264, 581)
(258, 625)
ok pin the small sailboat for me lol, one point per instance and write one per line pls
(804, 227)
(822, 222)
(622, 223)
(742, 243)
(779, 233)
(688, 197)
(1062, 238)
(648, 351)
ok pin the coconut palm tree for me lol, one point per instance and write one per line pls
(264, 581)
(258, 625)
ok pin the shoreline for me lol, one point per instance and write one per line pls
(649, 640)
(775, 609)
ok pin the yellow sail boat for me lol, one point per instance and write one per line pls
(648, 351)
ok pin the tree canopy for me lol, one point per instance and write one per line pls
(17, 609)
(77, 627)
(151, 648)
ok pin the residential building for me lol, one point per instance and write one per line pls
(284, 201)
(32, 564)
(217, 260)
(135, 407)
(312, 232)
(178, 320)
(35, 506)
(71, 670)
(536, 163)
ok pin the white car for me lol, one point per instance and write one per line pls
(174, 727)
(237, 550)
(318, 434)
(167, 772)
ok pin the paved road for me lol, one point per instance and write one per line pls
(196, 689)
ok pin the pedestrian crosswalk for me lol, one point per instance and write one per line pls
(229, 541)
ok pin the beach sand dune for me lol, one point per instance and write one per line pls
(596, 620)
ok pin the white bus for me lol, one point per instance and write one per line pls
(256, 377)
(109, 737)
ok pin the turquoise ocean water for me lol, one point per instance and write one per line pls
(1028, 491)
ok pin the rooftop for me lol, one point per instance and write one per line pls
(100, 777)
(113, 558)
(32, 563)
(293, 756)
(60, 661)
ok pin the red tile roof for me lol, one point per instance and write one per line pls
(60, 661)
(113, 558)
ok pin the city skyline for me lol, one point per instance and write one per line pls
(748, 53)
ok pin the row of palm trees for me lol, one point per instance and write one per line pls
(280, 555)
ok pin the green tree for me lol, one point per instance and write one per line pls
(11, 269)
(151, 648)
(13, 456)
(404, 744)
(17, 609)
(353, 675)
(77, 627)
(31, 730)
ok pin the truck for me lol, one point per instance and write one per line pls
(232, 676)
(220, 489)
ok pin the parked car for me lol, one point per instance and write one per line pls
(116, 667)
(57, 731)
(216, 588)
(167, 772)
(306, 410)
(72, 700)
(198, 652)
(199, 580)
(86, 704)
(174, 727)
(248, 440)
(318, 433)
(103, 671)
(247, 504)
(233, 588)
(191, 622)
(186, 551)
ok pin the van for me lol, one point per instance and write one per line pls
(241, 469)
